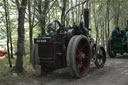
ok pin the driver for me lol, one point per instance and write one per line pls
(51, 28)
(116, 32)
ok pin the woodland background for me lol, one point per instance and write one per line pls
(22, 20)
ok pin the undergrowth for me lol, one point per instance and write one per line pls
(7, 74)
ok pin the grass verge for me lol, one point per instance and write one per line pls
(5, 71)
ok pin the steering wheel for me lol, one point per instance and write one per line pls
(53, 26)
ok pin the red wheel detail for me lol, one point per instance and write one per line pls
(82, 60)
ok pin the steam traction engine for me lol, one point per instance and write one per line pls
(70, 47)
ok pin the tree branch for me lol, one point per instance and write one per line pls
(59, 5)
(17, 3)
(51, 6)
(76, 6)
(35, 24)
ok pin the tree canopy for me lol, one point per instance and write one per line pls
(23, 20)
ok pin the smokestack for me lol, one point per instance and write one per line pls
(86, 18)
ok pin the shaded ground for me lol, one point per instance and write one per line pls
(115, 72)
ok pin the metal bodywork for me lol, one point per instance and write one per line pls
(50, 52)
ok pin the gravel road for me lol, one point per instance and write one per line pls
(115, 72)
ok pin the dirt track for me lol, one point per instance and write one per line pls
(115, 72)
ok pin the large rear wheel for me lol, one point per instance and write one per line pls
(78, 54)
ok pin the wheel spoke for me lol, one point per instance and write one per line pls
(82, 68)
(79, 51)
(100, 59)
(78, 61)
(82, 60)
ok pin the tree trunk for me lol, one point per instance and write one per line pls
(63, 12)
(67, 19)
(21, 33)
(72, 11)
(107, 20)
(11, 46)
(7, 28)
(30, 26)
(76, 13)
(117, 14)
(96, 25)
(43, 14)
(79, 12)
(108, 8)
(102, 32)
(10, 32)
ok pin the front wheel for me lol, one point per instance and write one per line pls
(78, 54)
(100, 57)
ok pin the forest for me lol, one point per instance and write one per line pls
(23, 20)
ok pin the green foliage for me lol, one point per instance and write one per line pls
(55, 13)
